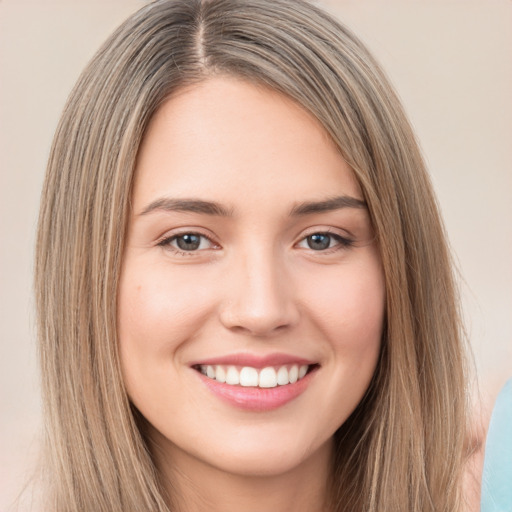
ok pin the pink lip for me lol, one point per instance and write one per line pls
(257, 399)
(255, 361)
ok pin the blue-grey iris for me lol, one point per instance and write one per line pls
(319, 241)
(189, 242)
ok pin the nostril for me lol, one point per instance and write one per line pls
(258, 301)
(243, 320)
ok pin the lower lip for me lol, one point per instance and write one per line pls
(257, 399)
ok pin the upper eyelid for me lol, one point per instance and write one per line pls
(185, 231)
(328, 230)
(166, 243)
(341, 239)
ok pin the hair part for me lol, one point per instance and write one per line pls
(403, 447)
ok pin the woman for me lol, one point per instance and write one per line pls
(244, 291)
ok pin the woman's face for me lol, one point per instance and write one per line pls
(250, 258)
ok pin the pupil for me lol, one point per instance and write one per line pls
(188, 242)
(319, 241)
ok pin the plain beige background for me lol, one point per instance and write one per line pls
(451, 62)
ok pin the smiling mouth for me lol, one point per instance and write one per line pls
(247, 376)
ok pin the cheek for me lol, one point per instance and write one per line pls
(156, 314)
(349, 308)
(158, 308)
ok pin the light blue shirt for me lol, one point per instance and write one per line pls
(497, 474)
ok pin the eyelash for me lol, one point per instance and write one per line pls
(341, 242)
(167, 243)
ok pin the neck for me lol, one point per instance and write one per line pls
(199, 487)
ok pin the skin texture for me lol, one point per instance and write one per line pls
(253, 286)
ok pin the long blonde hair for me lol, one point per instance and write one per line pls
(402, 450)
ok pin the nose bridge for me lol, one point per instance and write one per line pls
(259, 297)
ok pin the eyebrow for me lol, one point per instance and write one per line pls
(334, 203)
(212, 208)
(187, 205)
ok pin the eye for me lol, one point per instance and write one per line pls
(187, 242)
(323, 241)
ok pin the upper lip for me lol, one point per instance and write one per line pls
(254, 361)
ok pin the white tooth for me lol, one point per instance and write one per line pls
(220, 374)
(268, 378)
(203, 369)
(248, 376)
(232, 376)
(293, 373)
(303, 370)
(210, 371)
(282, 376)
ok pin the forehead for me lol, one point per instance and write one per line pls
(239, 142)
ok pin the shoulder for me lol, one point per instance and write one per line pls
(497, 473)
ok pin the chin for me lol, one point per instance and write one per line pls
(264, 463)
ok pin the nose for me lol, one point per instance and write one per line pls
(259, 298)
